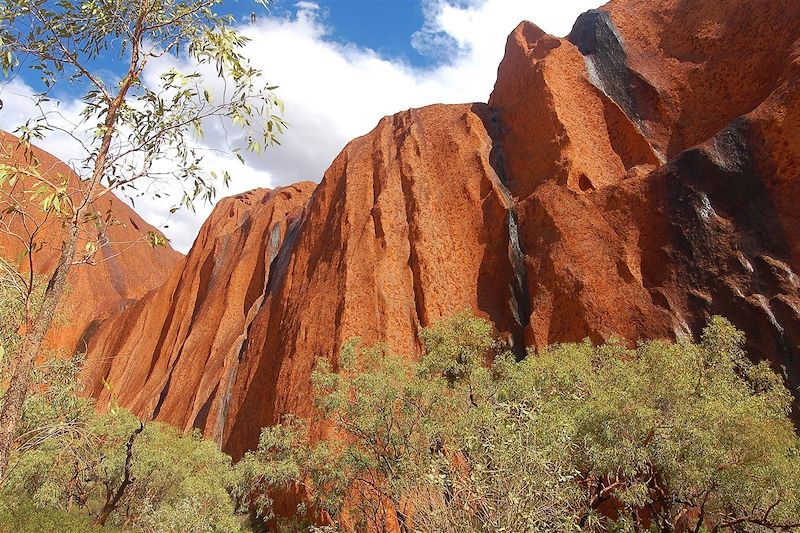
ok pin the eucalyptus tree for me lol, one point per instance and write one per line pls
(139, 131)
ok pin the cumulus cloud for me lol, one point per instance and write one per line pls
(336, 91)
(20, 107)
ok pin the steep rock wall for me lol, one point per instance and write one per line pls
(411, 223)
(175, 353)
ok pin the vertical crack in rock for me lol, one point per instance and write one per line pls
(202, 414)
(218, 431)
(274, 244)
(162, 396)
(378, 181)
(402, 133)
(520, 303)
(520, 300)
(280, 259)
(206, 278)
(278, 254)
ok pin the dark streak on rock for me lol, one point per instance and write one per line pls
(722, 223)
(520, 302)
(600, 43)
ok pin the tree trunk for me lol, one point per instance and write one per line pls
(113, 502)
(20, 378)
(401, 521)
(11, 411)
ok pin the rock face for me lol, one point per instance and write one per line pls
(175, 353)
(712, 87)
(404, 223)
(411, 223)
(125, 269)
(631, 179)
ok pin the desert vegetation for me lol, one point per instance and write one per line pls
(668, 436)
(74, 469)
(634, 176)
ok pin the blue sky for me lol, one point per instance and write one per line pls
(385, 26)
(340, 65)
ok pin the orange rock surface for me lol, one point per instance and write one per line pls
(410, 224)
(405, 221)
(125, 269)
(631, 179)
(175, 353)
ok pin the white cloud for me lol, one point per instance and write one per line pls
(307, 5)
(334, 92)
(19, 106)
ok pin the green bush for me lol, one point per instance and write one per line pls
(25, 517)
(664, 437)
(176, 483)
(106, 468)
(668, 436)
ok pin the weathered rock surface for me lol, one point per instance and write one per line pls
(175, 353)
(403, 224)
(631, 179)
(712, 87)
(410, 224)
(124, 270)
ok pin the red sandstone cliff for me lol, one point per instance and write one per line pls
(125, 269)
(175, 353)
(631, 179)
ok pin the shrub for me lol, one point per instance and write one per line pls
(149, 477)
(25, 517)
(669, 436)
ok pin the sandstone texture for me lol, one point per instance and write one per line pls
(175, 353)
(631, 179)
(123, 270)
(410, 224)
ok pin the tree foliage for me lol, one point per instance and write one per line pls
(139, 131)
(70, 463)
(668, 436)
(78, 461)
(127, 125)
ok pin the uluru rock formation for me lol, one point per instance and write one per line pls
(122, 271)
(376, 251)
(631, 179)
